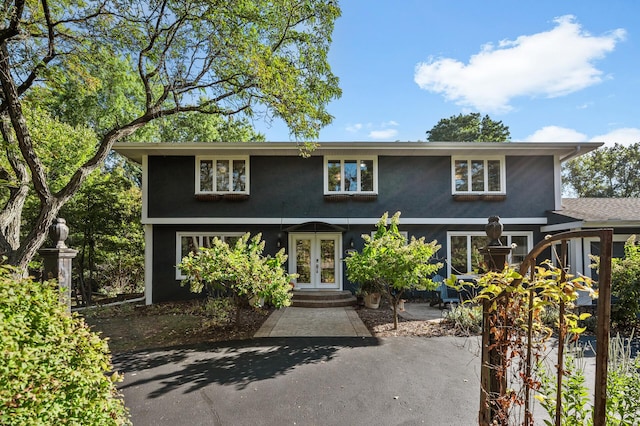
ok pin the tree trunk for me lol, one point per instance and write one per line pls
(395, 313)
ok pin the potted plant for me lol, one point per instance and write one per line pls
(372, 294)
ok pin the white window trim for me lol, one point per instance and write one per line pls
(469, 234)
(200, 158)
(199, 236)
(342, 159)
(503, 173)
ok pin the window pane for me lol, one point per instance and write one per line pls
(462, 175)
(188, 244)
(493, 167)
(366, 175)
(222, 175)
(477, 242)
(207, 241)
(333, 175)
(518, 254)
(239, 176)
(303, 260)
(477, 175)
(206, 175)
(328, 263)
(459, 254)
(350, 175)
(231, 241)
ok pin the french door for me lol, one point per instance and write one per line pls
(315, 257)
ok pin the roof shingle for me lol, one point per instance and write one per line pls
(601, 209)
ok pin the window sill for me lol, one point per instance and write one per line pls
(208, 197)
(478, 197)
(218, 197)
(352, 197)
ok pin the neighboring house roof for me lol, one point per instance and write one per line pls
(597, 213)
(601, 209)
(563, 150)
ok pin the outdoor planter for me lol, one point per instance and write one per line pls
(372, 301)
(401, 304)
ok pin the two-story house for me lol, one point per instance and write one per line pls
(317, 208)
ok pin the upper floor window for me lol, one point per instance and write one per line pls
(478, 175)
(350, 175)
(221, 175)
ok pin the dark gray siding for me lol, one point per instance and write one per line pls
(293, 187)
(419, 187)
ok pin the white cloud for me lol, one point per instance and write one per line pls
(383, 134)
(556, 134)
(624, 136)
(551, 63)
(353, 128)
(389, 123)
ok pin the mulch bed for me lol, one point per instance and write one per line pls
(380, 324)
(132, 327)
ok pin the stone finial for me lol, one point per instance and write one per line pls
(494, 231)
(58, 232)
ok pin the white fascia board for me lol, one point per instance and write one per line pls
(568, 226)
(338, 221)
(564, 150)
(585, 224)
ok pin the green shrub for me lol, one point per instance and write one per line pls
(625, 283)
(465, 318)
(623, 388)
(218, 310)
(53, 368)
(241, 270)
(550, 316)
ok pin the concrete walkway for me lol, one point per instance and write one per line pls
(313, 322)
(333, 322)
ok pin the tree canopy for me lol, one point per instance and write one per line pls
(469, 128)
(609, 172)
(112, 67)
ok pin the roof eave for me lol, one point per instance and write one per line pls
(136, 150)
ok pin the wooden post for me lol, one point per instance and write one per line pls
(495, 257)
(603, 330)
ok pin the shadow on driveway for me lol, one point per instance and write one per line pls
(305, 381)
(237, 363)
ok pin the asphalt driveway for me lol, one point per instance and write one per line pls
(306, 381)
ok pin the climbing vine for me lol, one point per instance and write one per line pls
(515, 332)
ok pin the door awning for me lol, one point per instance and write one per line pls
(314, 227)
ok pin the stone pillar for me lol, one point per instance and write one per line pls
(495, 258)
(57, 260)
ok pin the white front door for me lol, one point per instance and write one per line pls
(315, 257)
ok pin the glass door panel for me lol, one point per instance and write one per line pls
(328, 262)
(303, 260)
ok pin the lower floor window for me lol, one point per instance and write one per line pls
(191, 242)
(464, 250)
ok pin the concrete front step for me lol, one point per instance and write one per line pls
(322, 299)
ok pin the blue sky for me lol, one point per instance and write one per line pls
(553, 71)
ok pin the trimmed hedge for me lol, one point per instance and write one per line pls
(53, 369)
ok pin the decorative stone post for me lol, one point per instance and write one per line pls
(495, 258)
(57, 260)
